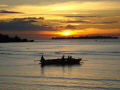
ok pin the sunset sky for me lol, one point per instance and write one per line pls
(44, 19)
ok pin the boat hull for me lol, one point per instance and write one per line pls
(60, 61)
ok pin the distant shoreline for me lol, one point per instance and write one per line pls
(87, 37)
(7, 39)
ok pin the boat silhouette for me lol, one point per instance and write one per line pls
(61, 61)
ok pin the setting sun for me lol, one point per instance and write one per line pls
(66, 33)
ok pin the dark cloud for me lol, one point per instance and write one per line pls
(65, 27)
(20, 25)
(105, 23)
(82, 21)
(111, 22)
(95, 17)
(92, 22)
(28, 18)
(87, 16)
(58, 27)
(70, 27)
(5, 11)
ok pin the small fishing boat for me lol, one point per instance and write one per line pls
(61, 61)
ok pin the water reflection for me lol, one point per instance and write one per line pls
(57, 67)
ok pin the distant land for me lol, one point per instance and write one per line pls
(6, 38)
(87, 37)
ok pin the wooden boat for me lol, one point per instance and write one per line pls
(61, 61)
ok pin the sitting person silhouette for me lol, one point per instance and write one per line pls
(70, 57)
(63, 58)
(42, 58)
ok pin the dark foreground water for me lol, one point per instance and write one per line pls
(100, 71)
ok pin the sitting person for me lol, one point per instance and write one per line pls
(42, 58)
(70, 57)
(63, 58)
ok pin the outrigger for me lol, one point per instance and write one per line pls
(63, 60)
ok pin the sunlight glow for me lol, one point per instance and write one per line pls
(74, 13)
(66, 33)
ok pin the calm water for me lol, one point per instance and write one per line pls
(18, 71)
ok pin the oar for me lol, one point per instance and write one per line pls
(84, 60)
(36, 60)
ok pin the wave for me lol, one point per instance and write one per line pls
(79, 87)
(6, 53)
(89, 53)
(64, 85)
(53, 53)
(116, 80)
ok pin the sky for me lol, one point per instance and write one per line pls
(44, 19)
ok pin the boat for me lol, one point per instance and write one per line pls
(61, 61)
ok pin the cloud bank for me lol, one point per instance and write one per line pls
(88, 17)
(23, 24)
(5, 11)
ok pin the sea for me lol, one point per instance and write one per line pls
(98, 70)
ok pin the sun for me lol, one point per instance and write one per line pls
(66, 33)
